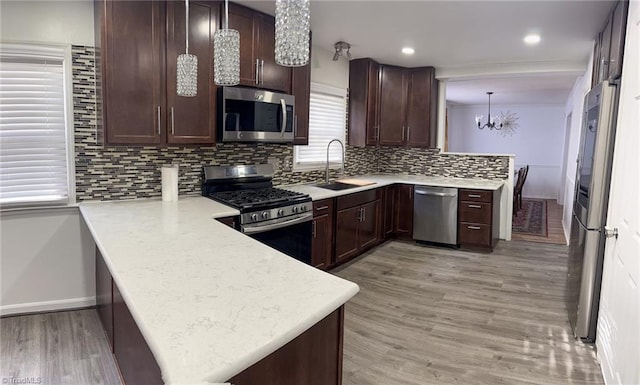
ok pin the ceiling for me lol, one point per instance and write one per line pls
(466, 39)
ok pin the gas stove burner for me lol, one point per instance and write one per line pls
(244, 199)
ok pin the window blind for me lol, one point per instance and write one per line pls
(33, 145)
(327, 121)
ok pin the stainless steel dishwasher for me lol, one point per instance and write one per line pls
(435, 214)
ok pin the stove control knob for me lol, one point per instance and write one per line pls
(294, 209)
(254, 217)
(280, 212)
(265, 215)
(303, 208)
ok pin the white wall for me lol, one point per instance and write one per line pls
(61, 22)
(538, 142)
(326, 71)
(47, 260)
(46, 256)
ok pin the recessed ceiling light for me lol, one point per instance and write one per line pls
(532, 38)
(408, 51)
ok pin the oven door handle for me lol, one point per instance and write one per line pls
(284, 116)
(274, 226)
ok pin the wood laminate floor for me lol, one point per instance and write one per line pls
(62, 348)
(423, 316)
(441, 316)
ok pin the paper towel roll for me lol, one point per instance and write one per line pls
(170, 183)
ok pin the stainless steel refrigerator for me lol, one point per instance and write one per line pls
(593, 176)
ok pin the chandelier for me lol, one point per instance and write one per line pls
(505, 124)
(492, 123)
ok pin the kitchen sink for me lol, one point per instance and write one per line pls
(336, 186)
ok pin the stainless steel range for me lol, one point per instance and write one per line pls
(279, 218)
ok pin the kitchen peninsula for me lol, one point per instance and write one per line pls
(209, 302)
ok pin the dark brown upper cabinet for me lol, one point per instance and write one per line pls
(609, 48)
(364, 106)
(139, 42)
(391, 106)
(258, 67)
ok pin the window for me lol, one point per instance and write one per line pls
(34, 160)
(327, 121)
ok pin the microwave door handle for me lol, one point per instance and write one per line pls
(284, 117)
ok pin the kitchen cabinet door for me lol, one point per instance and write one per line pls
(404, 211)
(389, 210)
(322, 242)
(104, 297)
(373, 105)
(191, 119)
(132, 44)
(393, 94)
(368, 233)
(272, 75)
(346, 237)
(421, 109)
(243, 20)
(301, 89)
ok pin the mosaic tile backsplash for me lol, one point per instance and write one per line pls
(111, 173)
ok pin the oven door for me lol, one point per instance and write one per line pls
(291, 236)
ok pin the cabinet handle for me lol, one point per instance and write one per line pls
(474, 206)
(473, 227)
(359, 216)
(314, 229)
(377, 132)
(322, 208)
(364, 214)
(403, 133)
(158, 117)
(474, 195)
(295, 125)
(257, 69)
(408, 133)
(173, 123)
(262, 72)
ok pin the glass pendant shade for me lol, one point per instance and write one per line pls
(226, 57)
(187, 66)
(292, 32)
(187, 75)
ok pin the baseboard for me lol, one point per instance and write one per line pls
(38, 307)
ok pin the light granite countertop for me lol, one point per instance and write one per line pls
(318, 193)
(209, 300)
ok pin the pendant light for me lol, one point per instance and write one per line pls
(226, 57)
(187, 68)
(292, 32)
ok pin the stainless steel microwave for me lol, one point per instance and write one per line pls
(250, 115)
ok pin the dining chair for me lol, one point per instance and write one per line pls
(517, 191)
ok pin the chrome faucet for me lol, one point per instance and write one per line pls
(326, 176)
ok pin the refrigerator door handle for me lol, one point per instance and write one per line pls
(583, 225)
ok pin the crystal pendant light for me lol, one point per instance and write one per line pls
(292, 32)
(187, 68)
(226, 57)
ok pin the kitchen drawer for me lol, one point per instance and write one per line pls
(357, 199)
(323, 207)
(475, 195)
(474, 234)
(474, 212)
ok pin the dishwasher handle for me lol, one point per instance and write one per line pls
(437, 194)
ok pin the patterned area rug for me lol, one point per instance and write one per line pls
(532, 218)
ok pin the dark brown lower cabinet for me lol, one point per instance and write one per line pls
(322, 241)
(104, 297)
(229, 221)
(313, 358)
(388, 209)
(478, 218)
(357, 223)
(403, 224)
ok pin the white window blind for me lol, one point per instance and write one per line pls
(327, 121)
(33, 144)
